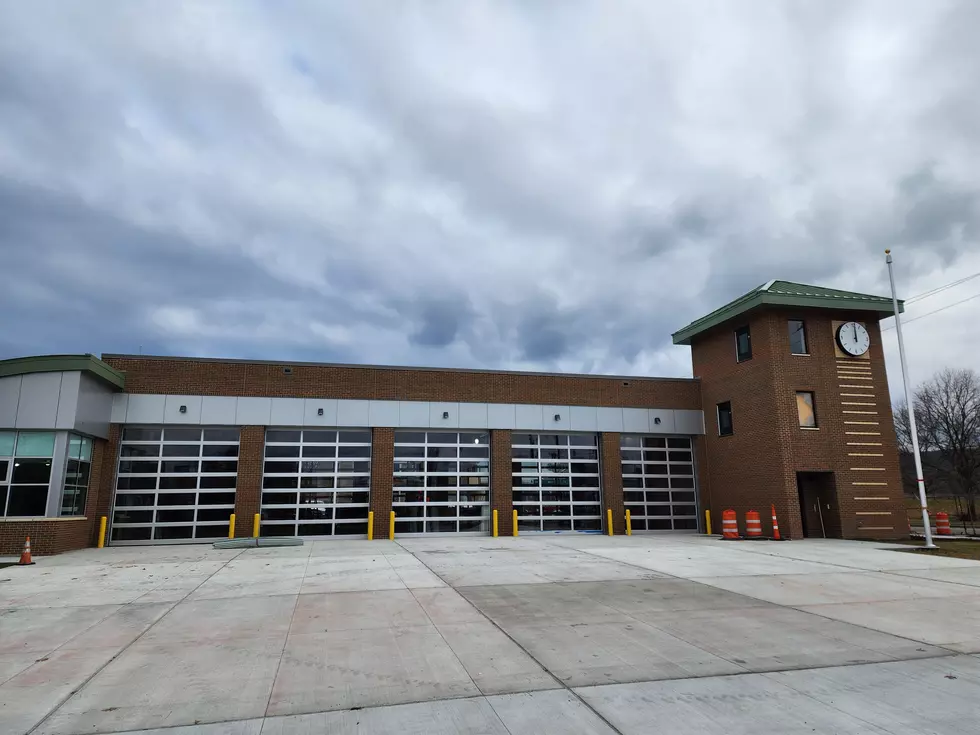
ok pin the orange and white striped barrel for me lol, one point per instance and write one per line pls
(729, 524)
(942, 524)
(753, 524)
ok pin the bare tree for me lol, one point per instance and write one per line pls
(947, 415)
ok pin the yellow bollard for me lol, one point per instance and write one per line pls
(629, 524)
(495, 523)
(102, 532)
(707, 522)
(256, 519)
(231, 526)
(609, 520)
(391, 526)
(370, 525)
(515, 522)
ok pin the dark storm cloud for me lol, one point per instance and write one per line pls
(527, 186)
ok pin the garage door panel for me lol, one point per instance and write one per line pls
(174, 484)
(556, 482)
(659, 486)
(441, 481)
(316, 482)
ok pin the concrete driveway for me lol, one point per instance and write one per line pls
(553, 634)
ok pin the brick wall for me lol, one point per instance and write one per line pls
(248, 490)
(501, 480)
(382, 478)
(612, 482)
(230, 378)
(757, 465)
(52, 536)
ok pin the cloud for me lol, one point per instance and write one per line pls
(543, 186)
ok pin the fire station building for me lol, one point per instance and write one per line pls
(789, 407)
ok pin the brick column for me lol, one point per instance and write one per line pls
(95, 491)
(501, 482)
(701, 475)
(612, 481)
(382, 475)
(101, 494)
(248, 493)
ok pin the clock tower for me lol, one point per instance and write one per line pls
(797, 411)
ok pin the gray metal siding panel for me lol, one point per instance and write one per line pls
(9, 398)
(95, 405)
(473, 416)
(38, 407)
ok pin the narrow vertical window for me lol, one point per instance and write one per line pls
(797, 337)
(805, 407)
(725, 419)
(743, 344)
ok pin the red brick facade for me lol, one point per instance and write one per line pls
(758, 464)
(501, 484)
(382, 479)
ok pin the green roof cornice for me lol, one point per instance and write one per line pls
(787, 293)
(63, 363)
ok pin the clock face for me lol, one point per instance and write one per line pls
(853, 338)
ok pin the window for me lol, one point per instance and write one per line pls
(77, 472)
(556, 482)
(658, 482)
(805, 409)
(797, 337)
(725, 419)
(743, 344)
(441, 482)
(25, 472)
(316, 482)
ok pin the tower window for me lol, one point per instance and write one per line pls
(797, 337)
(743, 344)
(806, 409)
(725, 419)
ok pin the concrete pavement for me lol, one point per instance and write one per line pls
(542, 634)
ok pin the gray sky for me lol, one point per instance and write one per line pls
(552, 185)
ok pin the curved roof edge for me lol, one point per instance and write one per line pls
(63, 363)
(788, 293)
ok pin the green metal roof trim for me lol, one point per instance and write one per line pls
(63, 363)
(787, 293)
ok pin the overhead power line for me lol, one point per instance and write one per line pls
(939, 289)
(935, 311)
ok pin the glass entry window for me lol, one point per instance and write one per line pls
(556, 482)
(316, 482)
(658, 482)
(441, 482)
(77, 473)
(174, 484)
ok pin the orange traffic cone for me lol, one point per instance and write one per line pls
(25, 555)
(775, 525)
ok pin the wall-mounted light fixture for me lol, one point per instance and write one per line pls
(557, 417)
(183, 409)
(445, 414)
(656, 420)
(319, 412)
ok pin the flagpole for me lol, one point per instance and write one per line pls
(908, 406)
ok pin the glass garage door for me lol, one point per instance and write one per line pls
(316, 482)
(174, 484)
(441, 482)
(556, 482)
(658, 482)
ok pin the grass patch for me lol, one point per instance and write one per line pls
(958, 548)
